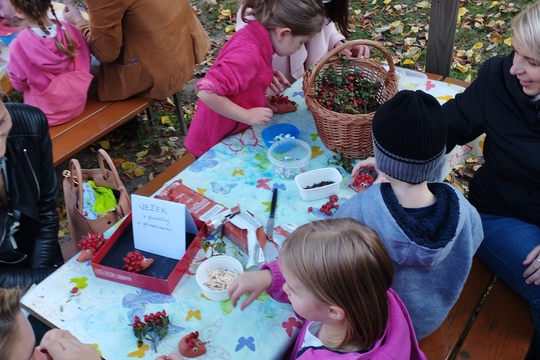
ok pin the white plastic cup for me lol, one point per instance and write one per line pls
(223, 262)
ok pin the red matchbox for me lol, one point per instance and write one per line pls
(162, 276)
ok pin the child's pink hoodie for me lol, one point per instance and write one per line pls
(398, 341)
(29, 52)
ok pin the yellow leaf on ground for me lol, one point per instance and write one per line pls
(468, 78)
(127, 165)
(496, 38)
(167, 120)
(139, 171)
(140, 154)
(226, 12)
(508, 41)
(386, 2)
(396, 23)
(229, 29)
(357, 12)
(478, 45)
(462, 11)
(105, 144)
(462, 68)
(408, 62)
(422, 4)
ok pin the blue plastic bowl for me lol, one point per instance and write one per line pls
(269, 133)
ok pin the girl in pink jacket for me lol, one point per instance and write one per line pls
(232, 95)
(50, 63)
(337, 275)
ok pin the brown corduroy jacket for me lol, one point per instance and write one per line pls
(146, 47)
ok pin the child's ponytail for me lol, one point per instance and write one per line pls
(35, 10)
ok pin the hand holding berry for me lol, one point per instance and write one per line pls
(368, 164)
(259, 116)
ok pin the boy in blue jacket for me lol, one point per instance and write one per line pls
(429, 228)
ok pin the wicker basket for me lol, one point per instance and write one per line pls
(349, 134)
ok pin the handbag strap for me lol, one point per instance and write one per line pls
(75, 181)
(102, 154)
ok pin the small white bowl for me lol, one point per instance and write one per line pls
(223, 262)
(313, 177)
(290, 157)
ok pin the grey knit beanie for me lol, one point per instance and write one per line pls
(409, 136)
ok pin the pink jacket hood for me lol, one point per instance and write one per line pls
(31, 54)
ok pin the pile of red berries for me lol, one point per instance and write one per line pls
(328, 206)
(92, 242)
(154, 326)
(281, 99)
(133, 261)
(347, 92)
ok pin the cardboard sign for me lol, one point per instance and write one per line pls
(160, 226)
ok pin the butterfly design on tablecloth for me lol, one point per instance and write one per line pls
(280, 186)
(140, 352)
(290, 324)
(224, 189)
(314, 136)
(206, 161)
(137, 302)
(80, 283)
(316, 151)
(249, 343)
(263, 183)
(194, 314)
(237, 142)
(429, 85)
(238, 172)
(298, 93)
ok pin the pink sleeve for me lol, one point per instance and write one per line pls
(276, 289)
(17, 75)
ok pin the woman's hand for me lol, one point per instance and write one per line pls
(61, 345)
(71, 14)
(172, 356)
(279, 82)
(369, 164)
(357, 51)
(532, 273)
(252, 282)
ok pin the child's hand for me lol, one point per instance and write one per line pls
(71, 14)
(368, 164)
(279, 82)
(357, 51)
(252, 282)
(259, 115)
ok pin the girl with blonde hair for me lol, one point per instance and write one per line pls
(337, 275)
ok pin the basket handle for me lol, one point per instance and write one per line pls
(334, 51)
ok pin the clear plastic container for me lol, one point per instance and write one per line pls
(290, 157)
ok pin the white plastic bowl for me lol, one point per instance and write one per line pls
(215, 263)
(290, 157)
(312, 177)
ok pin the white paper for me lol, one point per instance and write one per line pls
(160, 226)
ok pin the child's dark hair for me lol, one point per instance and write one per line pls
(343, 262)
(303, 17)
(338, 12)
(35, 10)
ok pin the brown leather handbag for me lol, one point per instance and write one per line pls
(79, 225)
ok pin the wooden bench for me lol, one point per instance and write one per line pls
(98, 119)
(489, 320)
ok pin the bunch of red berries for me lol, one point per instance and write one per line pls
(328, 206)
(281, 99)
(133, 261)
(362, 181)
(92, 242)
(347, 92)
(154, 326)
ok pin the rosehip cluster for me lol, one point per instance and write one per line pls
(133, 261)
(92, 242)
(363, 180)
(328, 206)
(154, 326)
(281, 99)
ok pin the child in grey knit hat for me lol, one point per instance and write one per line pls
(429, 228)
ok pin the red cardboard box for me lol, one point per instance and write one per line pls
(162, 276)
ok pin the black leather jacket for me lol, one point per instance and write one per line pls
(31, 187)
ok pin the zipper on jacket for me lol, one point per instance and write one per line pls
(33, 173)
